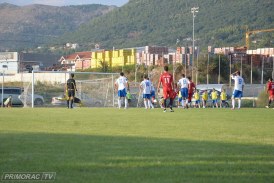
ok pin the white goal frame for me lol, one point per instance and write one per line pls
(67, 73)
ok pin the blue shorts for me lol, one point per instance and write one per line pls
(180, 99)
(214, 101)
(153, 94)
(122, 93)
(146, 96)
(197, 102)
(237, 94)
(184, 93)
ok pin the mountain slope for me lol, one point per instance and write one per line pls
(32, 25)
(162, 22)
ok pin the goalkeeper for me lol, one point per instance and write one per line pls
(70, 88)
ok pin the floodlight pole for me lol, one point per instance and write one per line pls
(219, 75)
(207, 76)
(262, 79)
(251, 70)
(197, 69)
(193, 11)
(230, 65)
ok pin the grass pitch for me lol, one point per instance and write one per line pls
(137, 145)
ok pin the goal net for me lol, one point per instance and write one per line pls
(48, 89)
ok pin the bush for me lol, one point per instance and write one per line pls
(248, 103)
(262, 99)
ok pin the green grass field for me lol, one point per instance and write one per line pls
(137, 145)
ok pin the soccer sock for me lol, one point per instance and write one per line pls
(68, 103)
(165, 103)
(239, 103)
(150, 104)
(126, 103)
(183, 103)
(170, 103)
(233, 103)
(269, 102)
(145, 102)
(119, 102)
(71, 104)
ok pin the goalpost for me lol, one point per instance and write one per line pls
(93, 89)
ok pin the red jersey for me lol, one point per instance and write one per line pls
(166, 79)
(191, 87)
(270, 87)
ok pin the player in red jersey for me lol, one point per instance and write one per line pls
(270, 91)
(191, 89)
(166, 79)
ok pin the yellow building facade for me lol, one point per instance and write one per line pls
(113, 58)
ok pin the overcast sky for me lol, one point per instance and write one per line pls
(65, 2)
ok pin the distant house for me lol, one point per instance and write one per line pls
(78, 60)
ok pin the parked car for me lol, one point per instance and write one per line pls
(18, 98)
(38, 99)
(83, 98)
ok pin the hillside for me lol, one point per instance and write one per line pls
(34, 25)
(155, 22)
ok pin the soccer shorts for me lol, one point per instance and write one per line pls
(184, 93)
(197, 102)
(271, 96)
(214, 101)
(146, 96)
(237, 94)
(71, 93)
(152, 94)
(168, 93)
(122, 93)
(173, 95)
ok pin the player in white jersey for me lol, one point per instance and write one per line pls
(238, 88)
(122, 86)
(183, 82)
(146, 87)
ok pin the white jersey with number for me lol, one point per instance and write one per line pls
(183, 82)
(239, 82)
(146, 86)
(121, 82)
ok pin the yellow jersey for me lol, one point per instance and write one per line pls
(196, 96)
(223, 96)
(214, 95)
(205, 96)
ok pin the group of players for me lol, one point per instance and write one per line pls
(185, 89)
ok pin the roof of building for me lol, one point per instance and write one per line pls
(77, 55)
